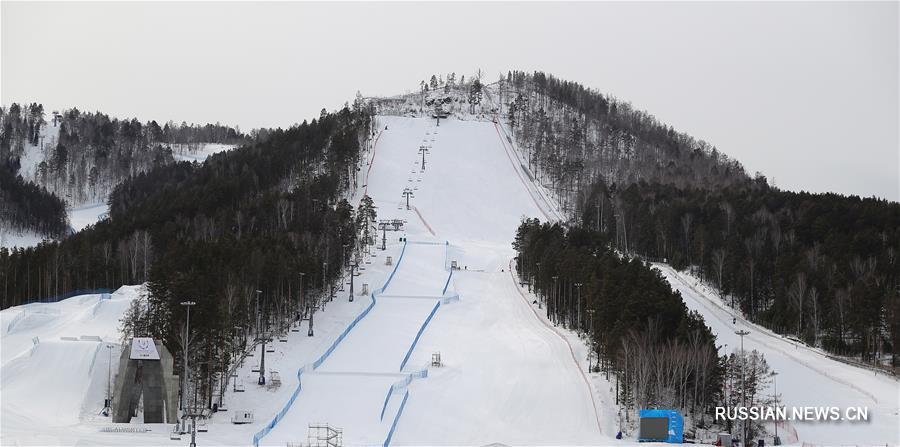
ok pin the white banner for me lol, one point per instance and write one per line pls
(143, 348)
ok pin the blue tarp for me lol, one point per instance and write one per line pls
(675, 428)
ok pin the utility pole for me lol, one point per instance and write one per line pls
(187, 340)
(300, 300)
(540, 295)
(260, 336)
(742, 333)
(352, 269)
(591, 338)
(578, 306)
(109, 379)
(258, 323)
(407, 193)
(776, 441)
(325, 280)
(553, 296)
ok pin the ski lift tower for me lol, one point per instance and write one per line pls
(423, 149)
(407, 193)
(388, 224)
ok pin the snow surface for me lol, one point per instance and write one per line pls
(198, 151)
(82, 216)
(33, 155)
(11, 238)
(51, 378)
(508, 375)
(806, 376)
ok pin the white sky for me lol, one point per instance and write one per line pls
(806, 93)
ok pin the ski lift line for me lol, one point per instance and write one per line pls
(553, 330)
(764, 332)
(287, 406)
(519, 174)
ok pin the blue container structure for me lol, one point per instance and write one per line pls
(661, 426)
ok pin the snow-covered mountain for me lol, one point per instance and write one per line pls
(446, 345)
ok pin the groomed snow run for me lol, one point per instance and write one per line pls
(806, 376)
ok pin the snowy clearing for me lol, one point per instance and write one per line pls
(82, 216)
(198, 151)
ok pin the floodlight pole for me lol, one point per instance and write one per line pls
(352, 268)
(187, 343)
(109, 378)
(578, 306)
(742, 333)
(300, 300)
(553, 298)
(261, 335)
(775, 383)
(591, 338)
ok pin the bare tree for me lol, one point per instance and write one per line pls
(719, 261)
(797, 293)
(814, 301)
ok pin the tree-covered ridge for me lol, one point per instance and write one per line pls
(174, 201)
(821, 266)
(25, 206)
(250, 219)
(82, 156)
(575, 136)
(634, 321)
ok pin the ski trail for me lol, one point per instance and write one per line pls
(716, 312)
(555, 332)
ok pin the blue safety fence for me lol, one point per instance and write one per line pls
(70, 294)
(443, 292)
(362, 315)
(278, 417)
(419, 334)
(401, 385)
(387, 441)
(427, 243)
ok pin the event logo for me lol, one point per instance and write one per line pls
(143, 348)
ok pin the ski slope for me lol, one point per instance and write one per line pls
(55, 363)
(507, 378)
(806, 377)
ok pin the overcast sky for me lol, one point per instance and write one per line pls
(806, 93)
